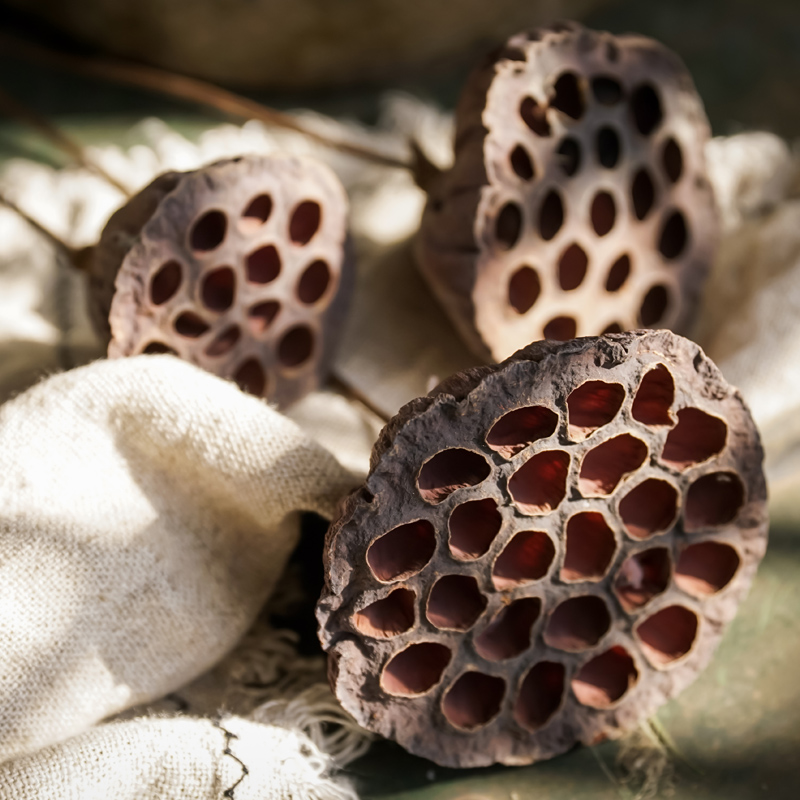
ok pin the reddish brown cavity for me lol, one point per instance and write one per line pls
(590, 547)
(668, 635)
(218, 289)
(646, 108)
(208, 232)
(251, 378)
(521, 163)
(473, 700)
(605, 679)
(674, 236)
(551, 215)
(672, 160)
(539, 695)
(540, 484)
(524, 289)
(642, 577)
(569, 156)
(190, 325)
(314, 282)
(403, 551)
(262, 315)
(568, 97)
(534, 116)
(166, 282)
(263, 265)
(509, 633)
(592, 405)
(296, 346)
(713, 500)
(654, 306)
(450, 470)
(560, 329)
(521, 427)
(578, 624)
(415, 670)
(643, 193)
(607, 464)
(158, 348)
(603, 213)
(696, 438)
(526, 558)
(225, 342)
(508, 226)
(304, 221)
(455, 603)
(392, 615)
(473, 527)
(706, 568)
(572, 268)
(654, 397)
(649, 508)
(256, 214)
(618, 274)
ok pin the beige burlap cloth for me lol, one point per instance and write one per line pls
(147, 509)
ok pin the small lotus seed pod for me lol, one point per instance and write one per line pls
(578, 203)
(544, 551)
(240, 267)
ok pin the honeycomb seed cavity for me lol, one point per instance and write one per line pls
(570, 544)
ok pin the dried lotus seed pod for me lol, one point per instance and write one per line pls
(578, 203)
(240, 267)
(544, 551)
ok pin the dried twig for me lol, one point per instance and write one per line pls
(69, 252)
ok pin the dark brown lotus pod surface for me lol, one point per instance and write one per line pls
(240, 267)
(544, 551)
(578, 203)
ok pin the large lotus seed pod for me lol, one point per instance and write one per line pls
(578, 203)
(544, 551)
(240, 267)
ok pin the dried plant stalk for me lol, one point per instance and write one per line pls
(578, 203)
(544, 551)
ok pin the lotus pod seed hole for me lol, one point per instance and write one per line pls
(603, 213)
(668, 635)
(450, 470)
(696, 438)
(614, 327)
(607, 464)
(534, 116)
(224, 342)
(560, 329)
(403, 551)
(590, 547)
(591, 406)
(568, 97)
(455, 603)
(569, 156)
(540, 484)
(618, 274)
(713, 500)
(218, 289)
(654, 306)
(256, 214)
(649, 508)
(166, 282)
(674, 236)
(521, 427)
(578, 624)
(672, 160)
(706, 568)
(654, 397)
(415, 670)
(250, 378)
(190, 325)
(509, 633)
(606, 90)
(473, 700)
(572, 267)
(605, 679)
(646, 108)
(473, 527)
(158, 348)
(608, 147)
(208, 232)
(551, 215)
(262, 315)
(391, 616)
(540, 695)
(523, 289)
(643, 193)
(642, 577)
(521, 163)
(314, 282)
(508, 226)
(304, 222)
(296, 346)
(263, 265)
(526, 558)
